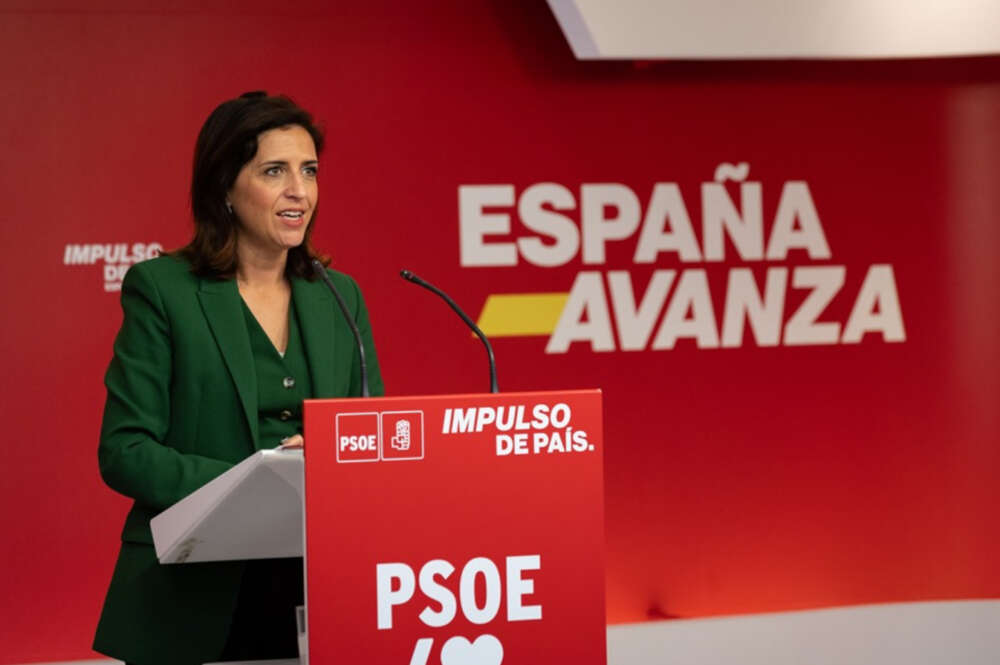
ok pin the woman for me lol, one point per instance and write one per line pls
(220, 343)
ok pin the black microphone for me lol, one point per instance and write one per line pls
(409, 276)
(321, 271)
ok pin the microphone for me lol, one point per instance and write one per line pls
(321, 271)
(409, 276)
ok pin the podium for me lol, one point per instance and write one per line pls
(253, 511)
(452, 529)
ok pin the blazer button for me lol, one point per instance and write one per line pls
(288, 382)
(285, 415)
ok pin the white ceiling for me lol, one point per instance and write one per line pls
(734, 29)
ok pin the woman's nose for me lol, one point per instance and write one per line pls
(295, 187)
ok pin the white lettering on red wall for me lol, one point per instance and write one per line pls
(115, 258)
(660, 229)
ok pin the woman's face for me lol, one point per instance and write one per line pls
(275, 193)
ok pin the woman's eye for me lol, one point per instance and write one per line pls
(311, 171)
(273, 170)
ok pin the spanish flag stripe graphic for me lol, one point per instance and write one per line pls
(521, 314)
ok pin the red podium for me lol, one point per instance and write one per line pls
(455, 529)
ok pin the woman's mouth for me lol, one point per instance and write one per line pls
(293, 218)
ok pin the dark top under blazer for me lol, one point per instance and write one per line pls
(181, 409)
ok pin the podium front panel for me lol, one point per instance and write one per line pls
(456, 529)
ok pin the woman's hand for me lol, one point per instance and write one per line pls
(294, 441)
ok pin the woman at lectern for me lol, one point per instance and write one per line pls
(220, 343)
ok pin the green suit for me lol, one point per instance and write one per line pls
(182, 409)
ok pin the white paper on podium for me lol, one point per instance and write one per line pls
(252, 511)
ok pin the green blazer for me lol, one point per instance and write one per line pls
(182, 409)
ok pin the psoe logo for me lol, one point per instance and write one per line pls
(116, 258)
(379, 436)
(404, 431)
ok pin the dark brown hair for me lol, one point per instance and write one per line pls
(227, 141)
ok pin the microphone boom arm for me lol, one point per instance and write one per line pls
(409, 276)
(321, 271)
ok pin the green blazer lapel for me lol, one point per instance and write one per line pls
(220, 301)
(315, 307)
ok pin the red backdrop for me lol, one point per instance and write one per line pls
(738, 480)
